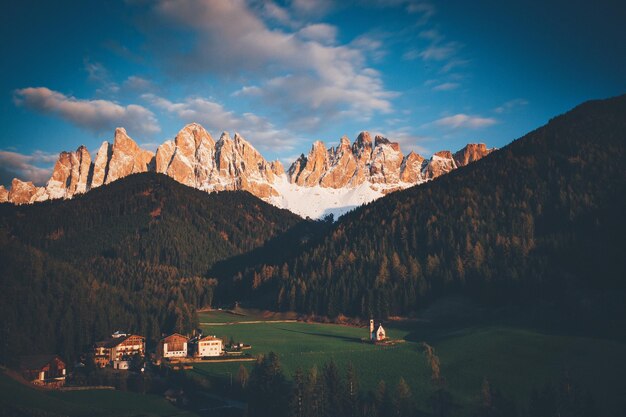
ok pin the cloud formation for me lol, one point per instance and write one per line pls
(448, 86)
(36, 167)
(216, 118)
(510, 105)
(461, 120)
(300, 71)
(94, 115)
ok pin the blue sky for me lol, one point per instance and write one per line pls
(430, 75)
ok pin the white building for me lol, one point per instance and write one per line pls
(378, 333)
(209, 346)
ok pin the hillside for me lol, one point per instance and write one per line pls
(540, 220)
(130, 255)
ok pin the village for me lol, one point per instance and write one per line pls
(127, 352)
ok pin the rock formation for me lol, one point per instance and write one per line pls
(471, 153)
(193, 158)
(70, 174)
(411, 168)
(126, 157)
(22, 192)
(4, 194)
(440, 163)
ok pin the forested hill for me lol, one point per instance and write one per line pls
(132, 255)
(543, 218)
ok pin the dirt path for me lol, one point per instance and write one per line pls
(247, 322)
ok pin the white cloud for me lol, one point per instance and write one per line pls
(137, 83)
(446, 86)
(229, 39)
(216, 118)
(95, 115)
(431, 35)
(36, 167)
(319, 32)
(438, 52)
(274, 12)
(454, 63)
(100, 75)
(461, 120)
(510, 105)
(312, 8)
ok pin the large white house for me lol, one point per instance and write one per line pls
(209, 346)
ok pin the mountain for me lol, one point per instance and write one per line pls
(131, 255)
(539, 221)
(326, 181)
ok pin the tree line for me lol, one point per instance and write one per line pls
(330, 392)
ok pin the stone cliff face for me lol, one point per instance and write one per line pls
(70, 174)
(440, 163)
(471, 153)
(196, 160)
(4, 194)
(126, 157)
(193, 158)
(381, 164)
(307, 171)
(22, 192)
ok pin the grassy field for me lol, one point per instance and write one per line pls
(100, 403)
(514, 359)
(242, 315)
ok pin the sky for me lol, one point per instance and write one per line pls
(431, 75)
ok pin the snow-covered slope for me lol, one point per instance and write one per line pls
(317, 202)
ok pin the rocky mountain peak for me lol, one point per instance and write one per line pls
(277, 168)
(4, 194)
(344, 143)
(22, 192)
(70, 174)
(307, 171)
(440, 163)
(224, 137)
(363, 139)
(126, 157)
(411, 168)
(373, 166)
(470, 153)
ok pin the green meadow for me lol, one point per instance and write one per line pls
(514, 360)
(98, 403)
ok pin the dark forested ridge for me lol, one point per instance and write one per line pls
(541, 219)
(132, 255)
(152, 218)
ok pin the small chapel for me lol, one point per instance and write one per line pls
(377, 333)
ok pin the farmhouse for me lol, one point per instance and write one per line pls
(377, 334)
(119, 347)
(48, 370)
(207, 346)
(172, 346)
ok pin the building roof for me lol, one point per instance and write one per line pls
(32, 362)
(115, 340)
(209, 338)
(174, 335)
